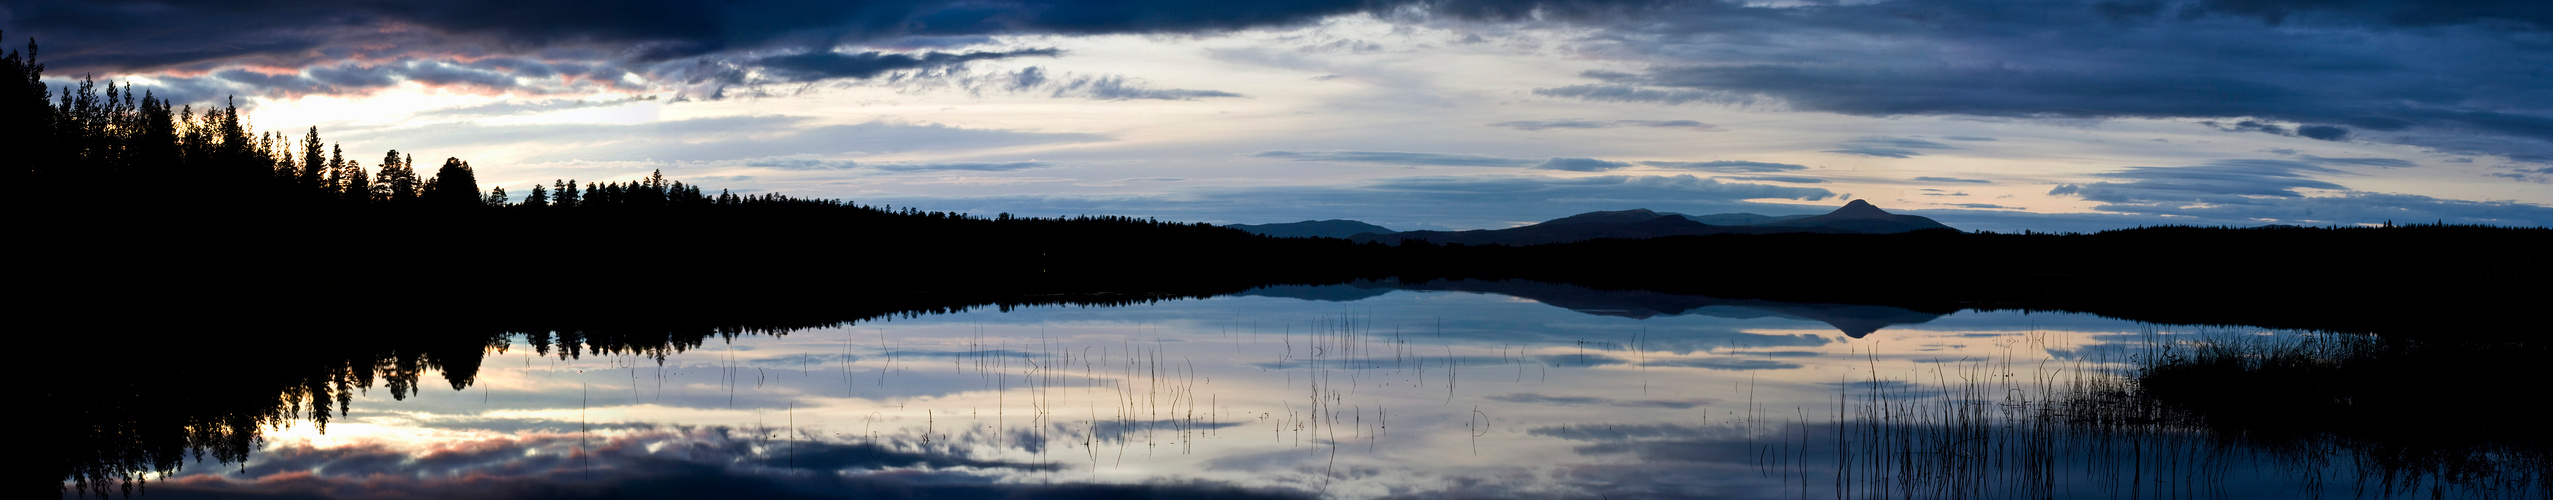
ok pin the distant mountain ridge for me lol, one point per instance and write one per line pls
(1856, 217)
(1854, 320)
(1333, 228)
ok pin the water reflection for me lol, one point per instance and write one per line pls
(1444, 389)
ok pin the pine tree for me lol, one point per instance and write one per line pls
(315, 168)
(454, 186)
(566, 194)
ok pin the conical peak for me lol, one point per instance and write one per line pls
(1859, 207)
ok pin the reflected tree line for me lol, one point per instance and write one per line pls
(209, 397)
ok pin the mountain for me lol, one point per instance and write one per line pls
(1857, 217)
(1862, 217)
(1626, 224)
(1741, 219)
(1333, 228)
(1852, 319)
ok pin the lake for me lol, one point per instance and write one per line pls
(1365, 390)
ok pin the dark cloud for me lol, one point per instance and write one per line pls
(2542, 175)
(1953, 179)
(357, 78)
(2512, 13)
(770, 140)
(1726, 166)
(2226, 180)
(2253, 191)
(1567, 123)
(1112, 88)
(1580, 164)
(821, 65)
(2323, 132)
(2363, 162)
(2317, 132)
(2346, 70)
(141, 34)
(1983, 206)
(1888, 147)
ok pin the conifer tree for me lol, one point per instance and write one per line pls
(315, 168)
(454, 186)
(566, 194)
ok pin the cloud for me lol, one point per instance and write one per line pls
(1103, 87)
(1953, 179)
(1444, 159)
(1726, 166)
(711, 139)
(1580, 164)
(117, 35)
(670, 461)
(1396, 158)
(800, 163)
(822, 65)
(514, 108)
(1888, 147)
(1877, 151)
(966, 166)
(1626, 93)
(2252, 191)
(2454, 84)
(1571, 123)
(2363, 162)
(1778, 178)
(2317, 132)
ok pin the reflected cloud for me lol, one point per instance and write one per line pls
(692, 462)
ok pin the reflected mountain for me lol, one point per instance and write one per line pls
(1855, 320)
(1857, 217)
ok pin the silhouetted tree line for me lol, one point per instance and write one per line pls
(186, 398)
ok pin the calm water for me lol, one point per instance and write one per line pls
(1339, 391)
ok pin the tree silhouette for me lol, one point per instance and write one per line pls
(453, 186)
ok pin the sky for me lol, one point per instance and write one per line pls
(2001, 115)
